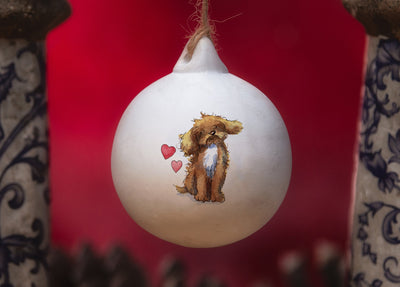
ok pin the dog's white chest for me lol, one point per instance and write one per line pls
(210, 160)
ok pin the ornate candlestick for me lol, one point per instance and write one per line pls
(24, 191)
(376, 234)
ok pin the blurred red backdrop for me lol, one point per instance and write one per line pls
(307, 56)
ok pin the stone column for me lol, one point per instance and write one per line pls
(376, 222)
(24, 190)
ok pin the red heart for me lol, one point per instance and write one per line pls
(167, 151)
(176, 165)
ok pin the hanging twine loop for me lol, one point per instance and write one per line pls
(204, 29)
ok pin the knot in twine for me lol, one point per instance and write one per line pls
(204, 29)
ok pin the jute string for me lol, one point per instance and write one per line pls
(204, 29)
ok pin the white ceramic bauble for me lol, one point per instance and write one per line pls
(201, 158)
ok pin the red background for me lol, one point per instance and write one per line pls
(307, 56)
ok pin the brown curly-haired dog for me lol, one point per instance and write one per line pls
(209, 157)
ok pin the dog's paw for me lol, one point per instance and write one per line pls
(200, 197)
(220, 197)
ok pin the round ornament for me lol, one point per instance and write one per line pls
(201, 158)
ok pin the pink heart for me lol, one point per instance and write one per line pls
(167, 151)
(176, 165)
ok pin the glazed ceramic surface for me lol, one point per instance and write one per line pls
(201, 158)
(375, 238)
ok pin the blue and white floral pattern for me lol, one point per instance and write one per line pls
(376, 105)
(376, 229)
(23, 163)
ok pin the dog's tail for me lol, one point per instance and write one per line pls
(182, 189)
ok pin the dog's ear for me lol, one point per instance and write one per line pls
(232, 127)
(190, 141)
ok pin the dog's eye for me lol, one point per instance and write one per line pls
(212, 133)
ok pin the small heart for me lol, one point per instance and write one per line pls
(176, 165)
(167, 151)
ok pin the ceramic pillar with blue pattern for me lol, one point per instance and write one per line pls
(24, 190)
(375, 242)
